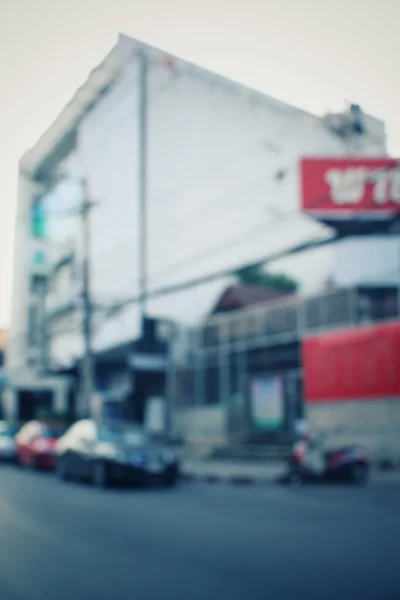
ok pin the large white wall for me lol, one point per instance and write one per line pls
(214, 150)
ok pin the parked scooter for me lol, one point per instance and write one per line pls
(311, 462)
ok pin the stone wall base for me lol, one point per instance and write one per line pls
(372, 423)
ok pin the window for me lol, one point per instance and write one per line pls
(53, 433)
(127, 435)
(33, 314)
(38, 220)
(37, 284)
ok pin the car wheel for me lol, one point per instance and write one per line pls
(359, 474)
(171, 480)
(100, 475)
(33, 463)
(63, 470)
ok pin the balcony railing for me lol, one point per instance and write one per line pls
(290, 319)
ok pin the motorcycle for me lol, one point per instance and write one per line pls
(311, 462)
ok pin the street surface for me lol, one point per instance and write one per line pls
(198, 541)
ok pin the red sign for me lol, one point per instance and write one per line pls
(348, 187)
(355, 364)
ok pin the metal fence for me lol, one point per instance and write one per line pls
(290, 319)
(216, 366)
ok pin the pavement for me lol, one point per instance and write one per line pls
(238, 472)
(230, 471)
(196, 541)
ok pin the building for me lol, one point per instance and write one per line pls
(222, 190)
(334, 358)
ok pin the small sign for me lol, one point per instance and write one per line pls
(155, 417)
(267, 402)
(147, 362)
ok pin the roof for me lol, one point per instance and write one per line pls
(241, 296)
(51, 145)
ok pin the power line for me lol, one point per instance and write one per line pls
(311, 244)
(248, 235)
(232, 241)
(257, 230)
(170, 289)
(243, 237)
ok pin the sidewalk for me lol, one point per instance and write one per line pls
(229, 471)
(249, 473)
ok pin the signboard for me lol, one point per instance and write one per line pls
(267, 402)
(148, 362)
(350, 187)
(96, 406)
(355, 364)
(155, 416)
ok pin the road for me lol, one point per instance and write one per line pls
(70, 541)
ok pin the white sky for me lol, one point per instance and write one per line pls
(315, 55)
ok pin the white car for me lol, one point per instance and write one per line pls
(7, 441)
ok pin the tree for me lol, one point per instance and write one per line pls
(257, 276)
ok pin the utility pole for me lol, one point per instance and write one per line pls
(142, 221)
(43, 328)
(88, 371)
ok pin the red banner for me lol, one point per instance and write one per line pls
(348, 187)
(355, 364)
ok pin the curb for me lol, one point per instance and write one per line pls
(248, 481)
(234, 480)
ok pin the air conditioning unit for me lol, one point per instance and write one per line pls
(348, 123)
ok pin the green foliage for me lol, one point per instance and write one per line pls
(257, 276)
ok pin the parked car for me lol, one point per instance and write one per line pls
(35, 444)
(114, 452)
(7, 441)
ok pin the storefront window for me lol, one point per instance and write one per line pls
(39, 229)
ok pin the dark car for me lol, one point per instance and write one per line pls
(114, 452)
(35, 444)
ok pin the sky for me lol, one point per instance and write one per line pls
(314, 55)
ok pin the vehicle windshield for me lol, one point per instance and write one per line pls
(125, 435)
(53, 433)
(7, 431)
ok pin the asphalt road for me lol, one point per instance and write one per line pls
(70, 541)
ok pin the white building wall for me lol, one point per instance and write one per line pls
(17, 352)
(214, 153)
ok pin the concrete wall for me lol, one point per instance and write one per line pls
(17, 352)
(202, 427)
(373, 423)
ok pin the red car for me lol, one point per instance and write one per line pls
(35, 443)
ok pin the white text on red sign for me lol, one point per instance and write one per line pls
(348, 186)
